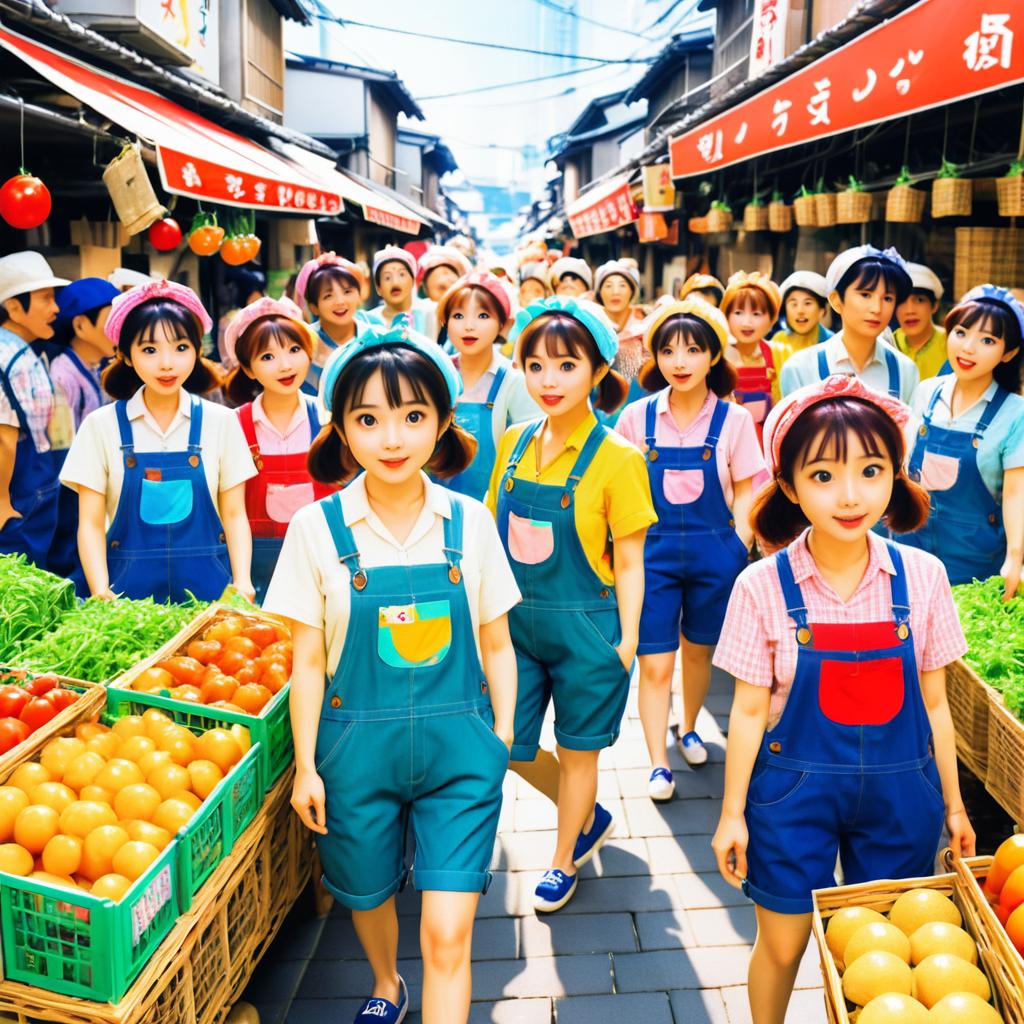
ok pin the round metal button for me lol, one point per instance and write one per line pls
(359, 579)
(803, 635)
(454, 574)
(976, 441)
(509, 484)
(707, 454)
(604, 593)
(566, 500)
(335, 702)
(903, 631)
(131, 462)
(923, 430)
(193, 461)
(652, 455)
(775, 747)
(115, 543)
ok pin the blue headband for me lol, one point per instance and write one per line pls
(400, 334)
(593, 319)
(994, 293)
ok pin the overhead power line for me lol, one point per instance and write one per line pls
(475, 42)
(568, 13)
(506, 85)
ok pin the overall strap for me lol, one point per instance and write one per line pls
(124, 428)
(650, 414)
(586, 456)
(822, 364)
(793, 596)
(528, 434)
(768, 356)
(5, 382)
(249, 431)
(325, 337)
(932, 402)
(715, 429)
(898, 590)
(314, 418)
(499, 379)
(86, 375)
(991, 411)
(453, 537)
(195, 426)
(893, 365)
(344, 542)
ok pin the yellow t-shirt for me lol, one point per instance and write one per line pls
(614, 495)
(930, 356)
(783, 345)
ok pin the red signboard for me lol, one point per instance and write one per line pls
(931, 54)
(603, 209)
(387, 219)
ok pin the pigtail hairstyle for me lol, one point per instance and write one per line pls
(146, 322)
(239, 387)
(563, 334)
(996, 319)
(822, 430)
(692, 330)
(330, 459)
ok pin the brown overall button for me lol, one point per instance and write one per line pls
(903, 631)
(604, 593)
(115, 543)
(508, 484)
(775, 747)
(335, 702)
(454, 574)
(359, 579)
(193, 461)
(565, 500)
(803, 635)
(483, 687)
(131, 462)
(652, 455)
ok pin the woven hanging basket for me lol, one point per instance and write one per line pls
(987, 254)
(952, 197)
(130, 191)
(904, 205)
(1010, 193)
(780, 217)
(825, 209)
(755, 218)
(719, 220)
(853, 207)
(805, 210)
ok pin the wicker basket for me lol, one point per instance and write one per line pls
(698, 225)
(1004, 778)
(904, 205)
(755, 218)
(825, 209)
(881, 896)
(952, 197)
(988, 254)
(805, 210)
(719, 220)
(780, 217)
(969, 700)
(1000, 960)
(130, 190)
(1010, 194)
(853, 207)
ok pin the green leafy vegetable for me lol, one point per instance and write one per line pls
(32, 602)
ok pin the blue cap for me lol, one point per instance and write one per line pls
(1004, 296)
(590, 314)
(401, 333)
(83, 295)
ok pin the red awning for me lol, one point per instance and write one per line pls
(605, 208)
(931, 54)
(196, 157)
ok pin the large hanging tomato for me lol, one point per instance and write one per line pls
(165, 235)
(252, 244)
(234, 252)
(24, 201)
(206, 240)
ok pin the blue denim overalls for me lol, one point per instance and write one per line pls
(566, 627)
(892, 364)
(848, 768)
(476, 419)
(406, 731)
(693, 554)
(965, 524)
(166, 537)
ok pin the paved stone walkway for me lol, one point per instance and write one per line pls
(653, 934)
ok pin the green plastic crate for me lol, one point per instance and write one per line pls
(211, 832)
(65, 940)
(272, 730)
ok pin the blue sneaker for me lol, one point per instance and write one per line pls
(661, 785)
(380, 1011)
(590, 842)
(554, 891)
(691, 746)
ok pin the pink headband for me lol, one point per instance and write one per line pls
(794, 405)
(441, 256)
(256, 311)
(478, 279)
(326, 259)
(124, 303)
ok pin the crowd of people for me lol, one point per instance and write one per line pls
(500, 492)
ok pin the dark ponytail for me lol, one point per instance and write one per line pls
(239, 387)
(611, 393)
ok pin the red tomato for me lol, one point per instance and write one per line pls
(234, 252)
(165, 235)
(206, 240)
(187, 671)
(262, 634)
(12, 700)
(12, 732)
(61, 698)
(248, 674)
(243, 645)
(42, 684)
(232, 662)
(37, 712)
(204, 651)
(24, 201)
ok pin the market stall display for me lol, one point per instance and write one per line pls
(32, 601)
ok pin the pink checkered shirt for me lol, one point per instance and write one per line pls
(758, 641)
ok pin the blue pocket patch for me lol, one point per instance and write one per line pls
(163, 502)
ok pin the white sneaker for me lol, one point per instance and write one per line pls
(661, 785)
(691, 746)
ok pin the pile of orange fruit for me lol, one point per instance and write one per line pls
(98, 806)
(1004, 888)
(237, 665)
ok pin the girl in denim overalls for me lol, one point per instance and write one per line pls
(396, 588)
(840, 737)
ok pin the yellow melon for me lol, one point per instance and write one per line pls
(844, 923)
(874, 974)
(877, 935)
(942, 973)
(894, 1008)
(942, 937)
(922, 906)
(963, 1008)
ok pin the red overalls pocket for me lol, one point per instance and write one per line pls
(861, 692)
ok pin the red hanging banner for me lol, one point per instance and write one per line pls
(603, 209)
(933, 53)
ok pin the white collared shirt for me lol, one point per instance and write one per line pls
(95, 459)
(296, 437)
(311, 586)
(513, 403)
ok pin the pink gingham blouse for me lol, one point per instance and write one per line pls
(758, 641)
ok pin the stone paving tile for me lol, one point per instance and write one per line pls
(723, 927)
(512, 1011)
(651, 1008)
(679, 855)
(696, 1006)
(542, 976)
(713, 967)
(806, 1007)
(665, 929)
(579, 933)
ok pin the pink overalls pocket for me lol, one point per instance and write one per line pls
(682, 486)
(939, 472)
(284, 500)
(530, 541)
(861, 692)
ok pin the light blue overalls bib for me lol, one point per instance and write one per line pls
(476, 418)
(892, 365)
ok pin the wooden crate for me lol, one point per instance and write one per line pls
(202, 967)
(969, 699)
(1004, 777)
